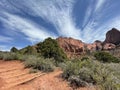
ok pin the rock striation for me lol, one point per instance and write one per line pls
(72, 47)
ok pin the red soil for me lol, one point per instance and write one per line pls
(13, 76)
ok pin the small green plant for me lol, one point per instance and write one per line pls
(84, 58)
(33, 71)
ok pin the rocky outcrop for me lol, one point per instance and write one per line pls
(72, 47)
(98, 45)
(113, 36)
(109, 46)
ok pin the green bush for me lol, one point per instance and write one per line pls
(50, 49)
(106, 57)
(89, 72)
(29, 50)
(1, 55)
(40, 63)
(14, 49)
(12, 56)
(8, 56)
(74, 72)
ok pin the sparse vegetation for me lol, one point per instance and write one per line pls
(29, 50)
(8, 56)
(40, 63)
(106, 57)
(89, 72)
(103, 72)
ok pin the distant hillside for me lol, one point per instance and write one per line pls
(74, 48)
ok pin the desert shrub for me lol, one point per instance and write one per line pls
(40, 63)
(10, 56)
(14, 49)
(84, 58)
(24, 57)
(116, 52)
(50, 49)
(1, 55)
(29, 50)
(89, 72)
(31, 61)
(106, 57)
(73, 72)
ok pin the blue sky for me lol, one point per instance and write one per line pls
(26, 22)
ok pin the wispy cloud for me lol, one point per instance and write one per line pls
(4, 48)
(5, 39)
(95, 26)
(99, 4)
(25, 26)
(94, 31)
(57, 12)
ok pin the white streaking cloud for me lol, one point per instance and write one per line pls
(5, 39)
(26, 27)
(99, 4)
(58, 12)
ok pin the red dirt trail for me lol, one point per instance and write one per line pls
(13, 76)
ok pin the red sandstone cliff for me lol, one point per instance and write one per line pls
(113, 36)
(72, 47)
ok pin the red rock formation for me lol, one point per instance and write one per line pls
(97, 45)
(109, 46)
(72, 47)
(113, 36)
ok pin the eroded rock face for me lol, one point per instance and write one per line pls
(97, 45)
(109, 46)
(72, 47)
(113, 36)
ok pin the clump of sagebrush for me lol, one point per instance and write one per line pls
(9, 56)
(85, 73)
(1, 55)
(106, 57)
(40, 63)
